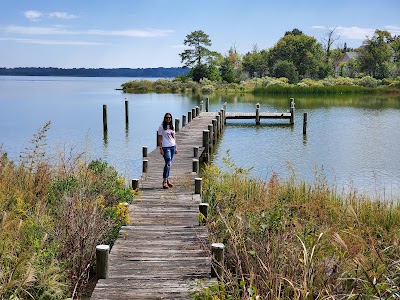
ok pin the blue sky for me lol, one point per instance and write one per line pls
(150, 33)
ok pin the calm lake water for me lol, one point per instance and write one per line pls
(353, 141)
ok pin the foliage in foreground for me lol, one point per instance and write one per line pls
(293, 240)
(51, 219)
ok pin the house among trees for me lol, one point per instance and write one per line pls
(342, 65)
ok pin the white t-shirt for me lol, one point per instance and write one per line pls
(168, 136)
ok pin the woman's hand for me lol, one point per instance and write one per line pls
(161, 151)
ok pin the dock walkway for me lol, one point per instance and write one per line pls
(161, 253)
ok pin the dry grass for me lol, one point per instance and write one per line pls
(292, 240)
(52, 216)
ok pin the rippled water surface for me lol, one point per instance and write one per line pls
(353, 141)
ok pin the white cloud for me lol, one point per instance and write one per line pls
(133, 32)
(357, 33)
(56, 30)
(33, 15)
(62, 30)
(62, 15)
(52, 42)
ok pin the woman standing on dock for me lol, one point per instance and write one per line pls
(167, 143)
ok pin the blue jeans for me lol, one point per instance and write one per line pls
(169, 153)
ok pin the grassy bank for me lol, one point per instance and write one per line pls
(268, 85)
(293, 240)
(52, 216)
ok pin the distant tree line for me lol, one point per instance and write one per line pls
(101, 72)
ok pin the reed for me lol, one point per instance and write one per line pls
(296, 240)
(52, 216)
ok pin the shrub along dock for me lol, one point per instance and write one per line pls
(163, 250)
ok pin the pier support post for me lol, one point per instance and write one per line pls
(198, 186)
(206, 144)
(197, 111)
(291, 111)
(207, 103)
(102, 261)
(211, 130)
(189, 117)
(105, 118)
(215, 130)
(217, 267)
(305, 123)
(183, 120)
(145, 165)
(195, 165)
(135, 183)
(193, 113)
(126, 112)
(144, 151)
(203, 209)
(196, 152)
(177, 125)
(258, 114)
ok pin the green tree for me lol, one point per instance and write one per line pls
(231, 66)
(375, 53)
(302, 50)
(284, 68)
(255, 62)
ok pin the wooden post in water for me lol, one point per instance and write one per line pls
(176, 125)
(105, 118)
(305, 123)
(193, 113)
(145, 165)
(135, 184)
(207, 103)
(291, 111)
(206, 144)
(102, 261)
(211, 130)
(217, 267)
(189, 117)
(215, 130)
(197, 111)
(196, 152)
(157, 139)
(203, 209)
(144, 151)
(195, 165)
(126, 112)
(258, 114)
(198, 186)
(183, 120)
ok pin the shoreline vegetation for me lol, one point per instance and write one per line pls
(268, 85)
(294, 240)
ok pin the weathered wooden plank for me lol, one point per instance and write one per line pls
(163, 250)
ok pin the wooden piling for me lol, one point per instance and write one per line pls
(198, 186)
(189, 117)
(177, 125)
(196, 152)
(217, 266)
(211, 130)
(144, 151)
(183, 120)
(195, 163)
(305, 123)
(102, 261)
(105, 118)
(145, 165)
(203, 209)
(206, 144)
(291, 111)
(135, 183)
(207, 104)
(215, 130)
(126, 112)
(193, 113)
(258, 114)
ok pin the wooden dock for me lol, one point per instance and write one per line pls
(161, 253)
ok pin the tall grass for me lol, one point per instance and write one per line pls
(294, 240)
(51, 217)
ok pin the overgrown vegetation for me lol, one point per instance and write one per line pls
(267, 85)
(52, 216)
(294, 240)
